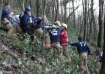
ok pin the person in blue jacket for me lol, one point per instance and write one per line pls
(98, 63)
(5, 18)
(26, 22)
(84, 52)
(39, 30)
(55, 41)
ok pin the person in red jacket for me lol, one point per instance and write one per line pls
(64, 41)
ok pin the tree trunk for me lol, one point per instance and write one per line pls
(103, 61)
(37, 7)
(23, 4)
(57, 10)
(65, 13)
(101, 19)
(73, 14)
(85, 19)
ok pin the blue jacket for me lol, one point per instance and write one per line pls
(54, 35)
(5, 13)
(81, 47)
(25, 19)
(38, 23)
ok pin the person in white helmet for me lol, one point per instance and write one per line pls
(64, 41)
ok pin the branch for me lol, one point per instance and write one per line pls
(73, 12)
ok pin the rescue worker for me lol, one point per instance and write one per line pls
(55, 41)
(26, 22)
(84, 53)
(38, 28)
(99, 55)
(5, 19)
(58, 25)
(64, 40)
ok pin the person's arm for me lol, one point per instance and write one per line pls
(74, 44)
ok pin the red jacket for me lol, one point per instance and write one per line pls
(63, 37)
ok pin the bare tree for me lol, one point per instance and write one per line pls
(85, 18)
(103, 60)
(101, 19)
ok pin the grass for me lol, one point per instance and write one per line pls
(52, 65)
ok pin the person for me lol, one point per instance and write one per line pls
(64, 40)
(38, 29)
(26, 22)
(99, 55)
(5, 19)
(84, 52)
(55, 41)
(15, 22)
(58, 25)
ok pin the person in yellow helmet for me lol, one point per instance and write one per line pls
(64, 40)
(55, 41)
(57, 23)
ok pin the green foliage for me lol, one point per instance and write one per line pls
(52, 65)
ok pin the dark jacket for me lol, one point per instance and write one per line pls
(24, 20)
(54, 35)
(81, 47)
(5, 13)
(38, 23)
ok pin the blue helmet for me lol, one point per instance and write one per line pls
(27, 8)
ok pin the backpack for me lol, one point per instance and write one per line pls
(83, 46)
(20, 18)
(35, 23)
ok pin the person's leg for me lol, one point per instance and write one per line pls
(18, 29)
(97, 67)
(47, 40)
(65, 52)
(47, 37)
(8, 25)
(59, 50)
(55, 50)
(85, 61)
(39, 31)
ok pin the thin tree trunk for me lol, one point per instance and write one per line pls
(85, 20)
(57, 10)
(101, 19)
(73, 14)
(103, 60)
(37, 7)
(65, 13)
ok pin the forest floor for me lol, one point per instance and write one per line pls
(21, 57)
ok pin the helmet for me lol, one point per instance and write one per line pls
(58, 23)
(53, 26)
(64, 25)
(27, 8)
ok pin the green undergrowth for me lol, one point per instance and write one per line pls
(48, 63)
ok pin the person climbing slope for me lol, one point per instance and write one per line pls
(64, 40)
(5, 19)
(99, 55)
(26, 22)
(84, 53)
(38, 29)
(55, 41)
